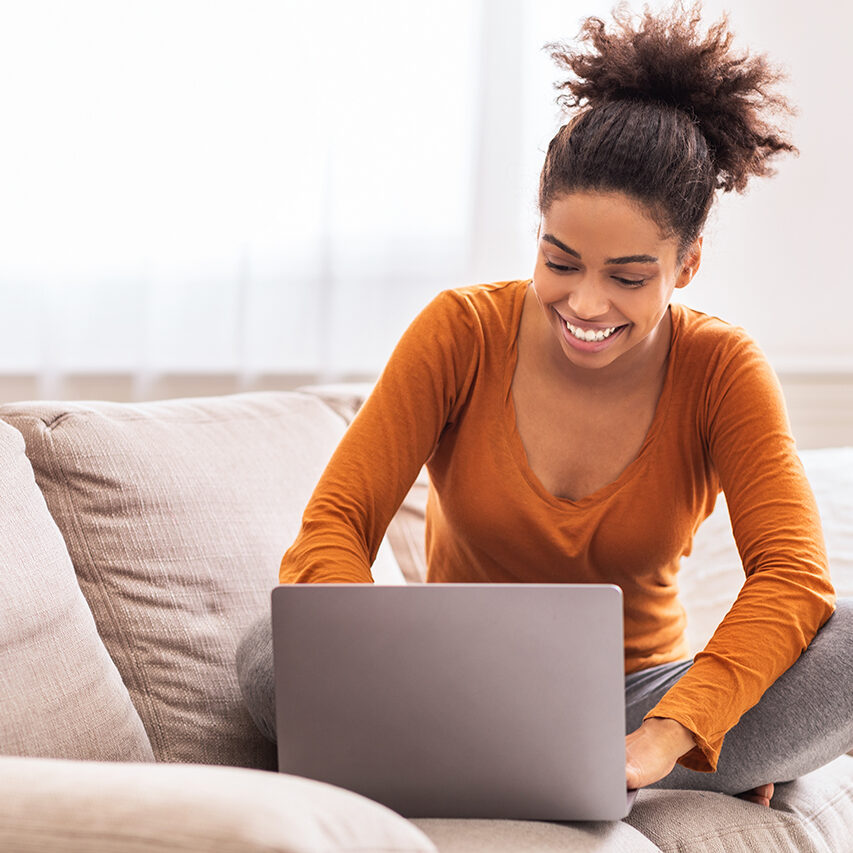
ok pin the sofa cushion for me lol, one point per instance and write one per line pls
(176, 515)
(451, 835)
(90, 807)
(62, 695)
(810, 815)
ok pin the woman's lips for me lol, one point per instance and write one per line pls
(594, 345)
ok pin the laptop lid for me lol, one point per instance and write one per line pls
(456, 700)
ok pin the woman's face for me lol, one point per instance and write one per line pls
(604, 277)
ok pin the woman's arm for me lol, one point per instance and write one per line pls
(420, 390)
(787, 594)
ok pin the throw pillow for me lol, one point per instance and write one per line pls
(90, 807)
(62, 695)
(176, 514)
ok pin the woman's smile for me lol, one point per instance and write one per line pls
(588, 338)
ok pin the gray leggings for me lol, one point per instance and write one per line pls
(803, 720)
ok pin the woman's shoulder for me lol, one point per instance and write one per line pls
(709, 340)
(719, 360)
(706, 328)
(459, 324)
(499, 297)
(492, 310)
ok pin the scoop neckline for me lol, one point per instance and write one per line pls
(515, 445)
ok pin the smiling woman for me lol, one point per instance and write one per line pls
(578, 427)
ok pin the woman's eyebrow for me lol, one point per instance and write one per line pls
(633, 259)
(550, 238)
(625, 259)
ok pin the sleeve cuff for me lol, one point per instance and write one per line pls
(704, 756)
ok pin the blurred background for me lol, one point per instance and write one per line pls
(206, 196)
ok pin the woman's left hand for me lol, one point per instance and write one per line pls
(653, 749)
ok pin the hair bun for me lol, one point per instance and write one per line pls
(664, 58)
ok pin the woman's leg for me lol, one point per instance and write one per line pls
(803, 720)
(255, 675)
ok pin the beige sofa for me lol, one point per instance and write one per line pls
(138, 542)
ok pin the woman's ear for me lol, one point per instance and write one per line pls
(691, 263)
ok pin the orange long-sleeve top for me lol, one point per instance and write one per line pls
(444, 398)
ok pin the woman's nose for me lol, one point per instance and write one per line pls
(587, 301)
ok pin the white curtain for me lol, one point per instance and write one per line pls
(272, 187)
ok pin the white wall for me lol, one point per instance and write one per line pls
(165, 207)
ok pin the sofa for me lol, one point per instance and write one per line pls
(139, 541)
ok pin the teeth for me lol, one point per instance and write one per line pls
(589, 335)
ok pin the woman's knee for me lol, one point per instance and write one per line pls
(844, 613)
(255, 675)
(835, 636)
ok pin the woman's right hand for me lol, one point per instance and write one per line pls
(652, 750)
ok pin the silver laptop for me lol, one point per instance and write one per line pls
(456, 700)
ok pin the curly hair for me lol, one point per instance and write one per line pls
(664, 114)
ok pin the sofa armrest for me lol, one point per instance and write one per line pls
(100, 807)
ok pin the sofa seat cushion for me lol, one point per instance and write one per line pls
(813, 814)
(61, 693)
(92, 807)
(176, 514)
(452, 835)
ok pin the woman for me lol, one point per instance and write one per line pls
(578, 428)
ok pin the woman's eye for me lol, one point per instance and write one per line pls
(559, 267)
(630, 282)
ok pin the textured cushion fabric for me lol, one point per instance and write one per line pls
(813, 814)
(176, 515)
(92, 807)
(712, 575)
(61, 693)
(519, 836)
(345, 398)
(822, 803)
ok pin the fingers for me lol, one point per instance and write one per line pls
(651, 750)
(633, 777)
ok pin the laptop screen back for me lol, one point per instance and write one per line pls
(456, 700)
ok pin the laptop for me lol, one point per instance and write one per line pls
(456, 700)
